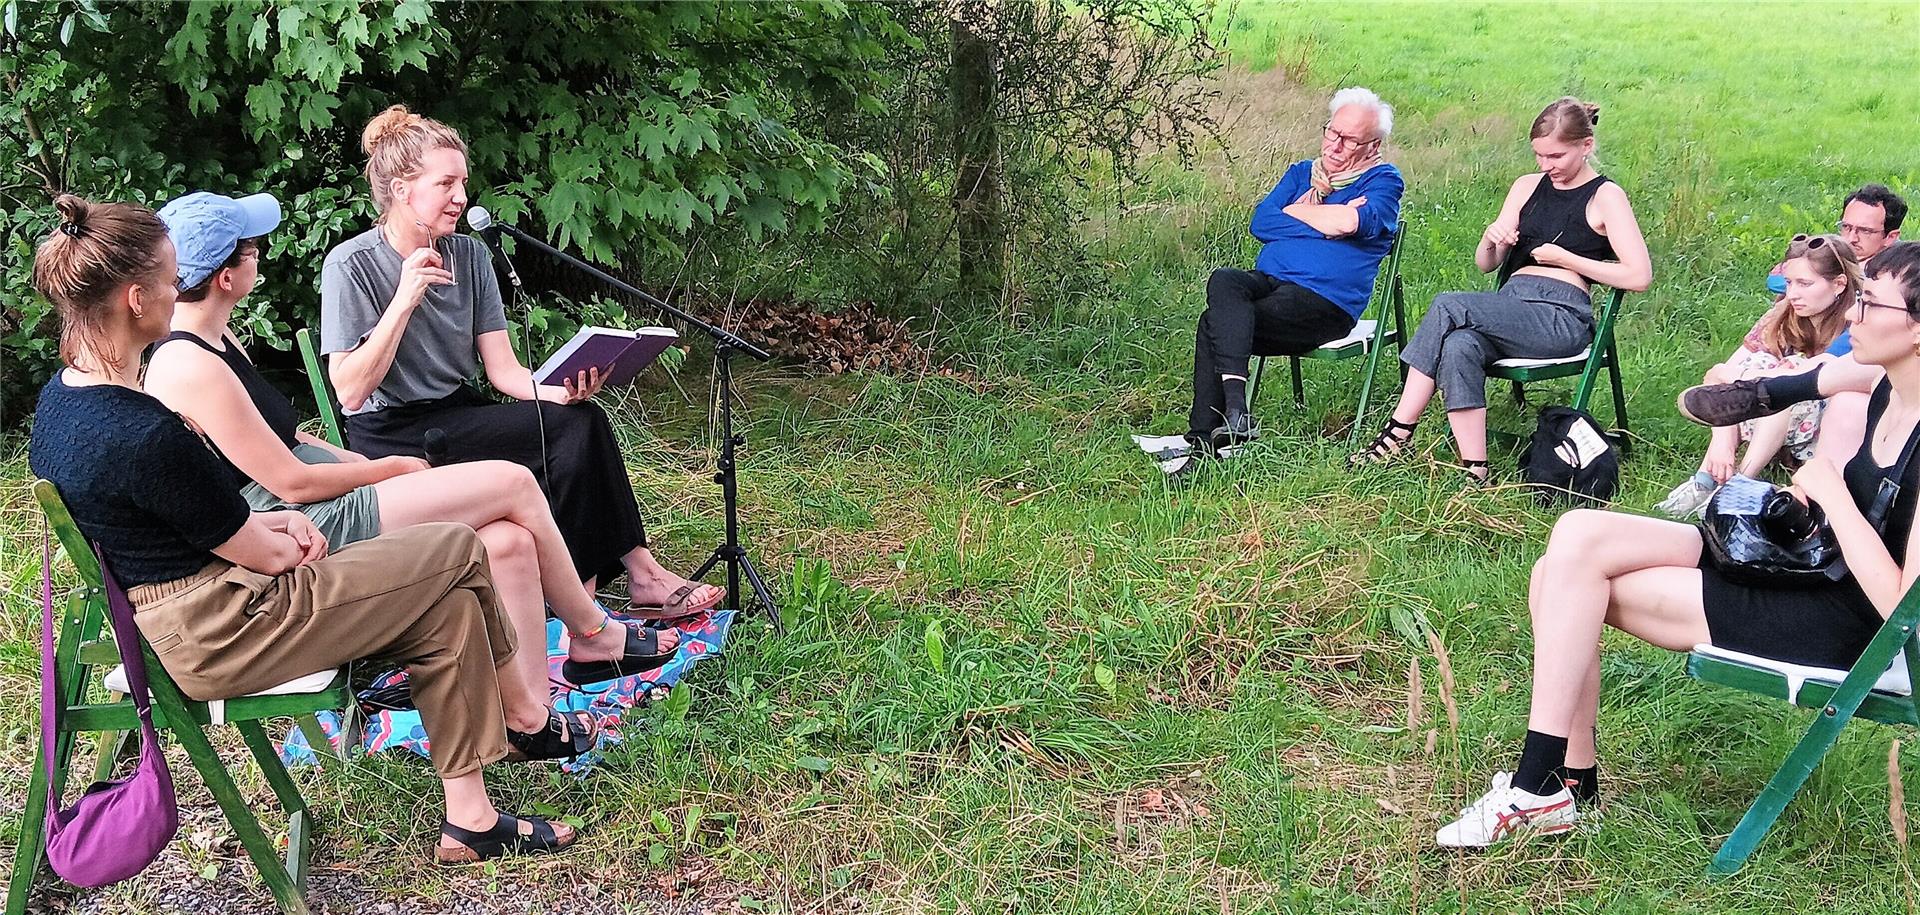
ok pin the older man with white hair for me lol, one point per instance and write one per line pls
(1326, 227)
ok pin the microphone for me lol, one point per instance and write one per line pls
(482, 222)
(435, 444)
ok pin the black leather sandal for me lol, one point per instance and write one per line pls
(505, 838)
(642, 654)
(1385, 446)
(1477, 472)
(565, 736)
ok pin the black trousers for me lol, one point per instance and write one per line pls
(592, 498)
(1250, 313)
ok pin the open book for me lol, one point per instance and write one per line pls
(618, 354)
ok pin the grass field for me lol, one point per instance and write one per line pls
(1022, 675)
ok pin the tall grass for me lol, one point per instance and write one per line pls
(1022, 675)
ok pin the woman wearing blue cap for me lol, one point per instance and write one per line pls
(201, 371)
(235, 601)
(406, 306)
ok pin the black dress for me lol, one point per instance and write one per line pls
(1826, 625)
(582, 470)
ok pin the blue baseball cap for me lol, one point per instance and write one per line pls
(207, 227)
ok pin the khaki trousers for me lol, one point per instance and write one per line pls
(421, 596)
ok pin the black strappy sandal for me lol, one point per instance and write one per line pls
(1385, 446)
(642, 654)
(565, 736)
(505, 838)
(1476, 471)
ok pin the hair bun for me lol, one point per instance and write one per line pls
(384, 125)
(74, 212)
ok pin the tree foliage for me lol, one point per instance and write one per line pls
(807, 147)
(611, 128)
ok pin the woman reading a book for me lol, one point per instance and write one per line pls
(200, 371)
(404, 309)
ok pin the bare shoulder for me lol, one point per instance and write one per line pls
(1525, 184)
(180, 362)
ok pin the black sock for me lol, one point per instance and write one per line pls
(1236, 391)
(1540, 758)
(1584, 783)
(1784, 391)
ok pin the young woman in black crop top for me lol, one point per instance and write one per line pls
(1560, 230)
(1647, 577)
(235, 602)
(201, 371)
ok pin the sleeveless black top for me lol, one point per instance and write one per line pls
(1865, 480)
(274, 406)
(1554, 216)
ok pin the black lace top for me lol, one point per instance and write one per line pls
(139, 483)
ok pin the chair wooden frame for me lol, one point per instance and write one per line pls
(81, 655)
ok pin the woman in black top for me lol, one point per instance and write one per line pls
(1647, 577)
(234, 602)
(1560, 231)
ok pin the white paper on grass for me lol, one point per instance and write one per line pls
(1154, 444)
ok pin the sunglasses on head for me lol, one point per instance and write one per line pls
(1811, 241)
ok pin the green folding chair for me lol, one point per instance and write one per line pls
(1368, 337)
(322, 397)
(1879, 687)
(1602, 355)
(82, 656)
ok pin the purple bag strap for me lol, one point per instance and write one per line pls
(125, 637)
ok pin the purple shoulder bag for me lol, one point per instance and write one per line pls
(116, 828)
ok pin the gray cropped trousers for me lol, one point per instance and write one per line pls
(1531, 317)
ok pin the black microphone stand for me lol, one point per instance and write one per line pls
(726, 344)
(511, 296)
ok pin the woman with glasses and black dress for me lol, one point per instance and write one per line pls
(1651, 579)
(1560, 231)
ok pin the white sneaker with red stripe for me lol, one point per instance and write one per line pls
(1505, 811)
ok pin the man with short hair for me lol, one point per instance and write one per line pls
(1325, 227)
(1870, 223)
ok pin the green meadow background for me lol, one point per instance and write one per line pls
(1022, 674)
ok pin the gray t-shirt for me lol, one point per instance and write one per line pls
(437, 352)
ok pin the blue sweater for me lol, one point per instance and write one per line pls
(1340, 270)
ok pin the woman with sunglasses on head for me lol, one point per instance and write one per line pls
(234, 602)
(1560, 231)
(1651, 579)
(202, 371)
(1823, 277)
(406, 307)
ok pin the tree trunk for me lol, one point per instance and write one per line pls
(976, 146)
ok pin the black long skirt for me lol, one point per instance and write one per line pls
(585, 479)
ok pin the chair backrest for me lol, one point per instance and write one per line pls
(322, 397)
(68, 533)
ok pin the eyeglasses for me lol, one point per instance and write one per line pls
(1862, 303)
(1812, 242)
(1847, 228)
(1335, 136)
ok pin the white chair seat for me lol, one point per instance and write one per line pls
(116, 680)
(1896, 681)
(1362, 333)
(1537, 363)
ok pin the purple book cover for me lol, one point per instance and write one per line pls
(621, 355)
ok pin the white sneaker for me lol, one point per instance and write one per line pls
(1505, 811)
(1687, 500)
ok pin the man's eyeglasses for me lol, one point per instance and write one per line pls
(1341, 139)
(1847, 228)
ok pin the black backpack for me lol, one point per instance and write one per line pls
(1570, 459)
